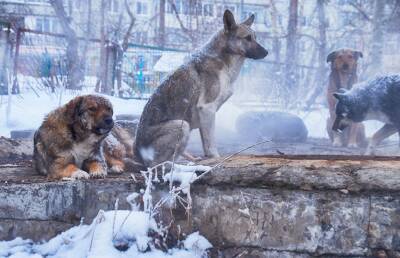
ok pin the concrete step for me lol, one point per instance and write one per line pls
(286, 206)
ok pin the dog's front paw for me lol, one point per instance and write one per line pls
(79, 174)
(97, 170)
(337, 143)
(117, 169)
(100, 173)
(370, 151)
(353, 145)
(213, 155)
(190, 157)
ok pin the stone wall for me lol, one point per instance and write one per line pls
(251, 207)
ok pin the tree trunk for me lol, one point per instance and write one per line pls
(291, 55)
(184, 29)
(74, 69)
(102, 71)
(321, 72)
(161, 35)
(122, 49)
(88, 35)
(376, 50)
(276, 48)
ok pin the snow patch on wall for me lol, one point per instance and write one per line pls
(123, 229)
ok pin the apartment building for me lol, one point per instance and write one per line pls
(186, 25)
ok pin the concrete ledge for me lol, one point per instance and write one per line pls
(298, 221)
(297, 206)
(352, 173)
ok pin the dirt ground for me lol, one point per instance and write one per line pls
(313, 146)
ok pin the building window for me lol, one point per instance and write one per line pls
(141, 8)
(77, 4)
(37, 1)
(43, 24)
(191, 8)
(140, 36)
(198, 9)
(55, 26)
(390, 46)
(303, 21)
(114, 6)
(178, 5)
(346, 2)
(348, 18)
(280, 20)
(39, 24)
(208, 10)
(186, 7)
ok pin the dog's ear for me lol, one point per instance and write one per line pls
(339, 95)
(358, 54)
(249, 20)
(331, 57)
(229, 21)
(74, 108)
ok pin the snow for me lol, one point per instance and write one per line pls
(170, 61)
(118, 233)
(98, 240)
(315, 120)
(185, 175)
(30, 107)
(131, 199)
(197, 243)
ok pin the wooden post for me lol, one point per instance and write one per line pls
(15, 86)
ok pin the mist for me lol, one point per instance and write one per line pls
(124, 49)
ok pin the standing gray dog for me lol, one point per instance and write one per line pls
(189, 98)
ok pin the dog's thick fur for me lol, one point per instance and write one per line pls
(68, 143)
(190, 97)
(378, 99)
(118, 149)
(344, 63)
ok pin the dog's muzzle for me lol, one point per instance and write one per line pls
(257, 53)
(339, 125)
(105, 126)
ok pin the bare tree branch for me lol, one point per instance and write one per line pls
(75, 75)
(361, 11)
(184, 29)
(125, 42)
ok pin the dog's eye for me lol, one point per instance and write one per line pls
(248, 38)
(92, 109)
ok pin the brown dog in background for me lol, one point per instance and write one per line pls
(68, 144)
(343, 75)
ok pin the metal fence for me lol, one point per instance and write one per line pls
(42, 56)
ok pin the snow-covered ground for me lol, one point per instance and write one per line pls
(315, 120)
(127, 230)
(122, 233)
(28, 109)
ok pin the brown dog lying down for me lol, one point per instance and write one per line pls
(69, 141)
